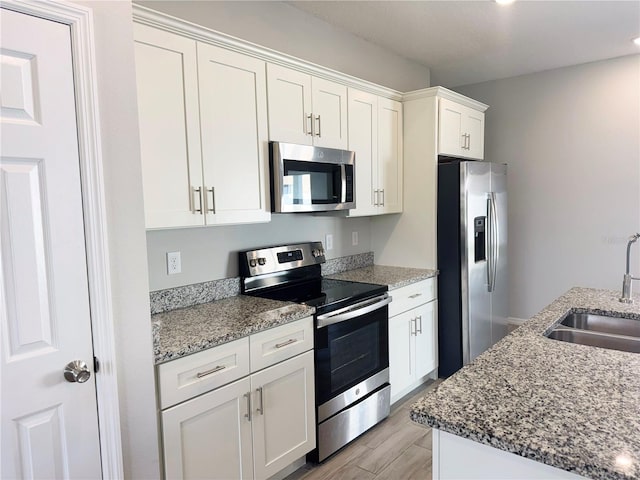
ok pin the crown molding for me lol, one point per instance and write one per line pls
(444, 93)
(153, 18)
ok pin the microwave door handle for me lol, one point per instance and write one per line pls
(343, 183)
(347, 313)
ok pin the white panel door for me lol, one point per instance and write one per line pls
(329, 101)
(283, 414)
(390, 160)
(233, 120)
(49, 425)
(363, 139)
(209, 437)
(425, 339)
(289, 94)
(167, 79)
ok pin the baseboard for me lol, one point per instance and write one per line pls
(513, 323)
(286, 471)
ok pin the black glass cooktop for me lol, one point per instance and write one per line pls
(323, 293)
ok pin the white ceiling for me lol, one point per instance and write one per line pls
(465, 42)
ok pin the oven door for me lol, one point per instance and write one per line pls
(352, 354)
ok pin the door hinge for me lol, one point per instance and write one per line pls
(96, 365)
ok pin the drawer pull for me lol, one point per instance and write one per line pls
(415, 295)
(209, 372)
(284, 344)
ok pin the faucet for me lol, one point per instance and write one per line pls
(626, 283)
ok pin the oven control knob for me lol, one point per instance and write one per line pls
(252, 262)
(262, 261)
(315, 252)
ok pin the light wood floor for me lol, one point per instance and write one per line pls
(395, 449)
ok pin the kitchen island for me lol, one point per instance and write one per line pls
(570, 407)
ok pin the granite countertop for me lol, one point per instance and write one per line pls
(189, 330)
(393, 277)
(570, 406)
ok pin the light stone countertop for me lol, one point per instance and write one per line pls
(570, 406)
(393, 277)
(189, 330)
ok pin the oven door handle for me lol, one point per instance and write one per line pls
(353, 311)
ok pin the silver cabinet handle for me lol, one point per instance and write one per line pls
(419, 331)
(284, 344)
(248, 414)
(193, 203)
(468, 141)
(213, 200)
(382, 191)
(309, 123)
(415, 295)
(209, 372)
(375, 198)
(412, 331)
(318, 133)
(76, 371)
(260, 409)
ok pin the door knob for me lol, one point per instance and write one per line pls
(76, 371)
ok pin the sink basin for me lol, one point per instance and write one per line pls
(614, 333)
(601, 323)
(595, 339)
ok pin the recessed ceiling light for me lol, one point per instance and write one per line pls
(637, 41)
(504, 2)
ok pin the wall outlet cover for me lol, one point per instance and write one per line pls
(354, 238)
(328, 241)
(174, 263)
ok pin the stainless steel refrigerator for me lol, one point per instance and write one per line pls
(472, 259)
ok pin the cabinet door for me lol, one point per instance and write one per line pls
(363, 139)
(425, 339)
(474, 126)
(209, 436)
(167, 80)
(329, 107)
(233, 119)
(401, 373)
(289, 95)
(450, 134)
(390, 155)
(283, 414)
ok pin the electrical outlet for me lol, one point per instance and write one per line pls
(174, 265)
(328, 242)
(354, 238)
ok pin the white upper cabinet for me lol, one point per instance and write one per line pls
(375, 134)
(306, 110)
(233, 125)
(390, 155)
(203, 132)
(461, 130)
(167, 80)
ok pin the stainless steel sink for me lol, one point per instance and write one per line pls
(594, 339)
(601, 323)
(615, 333)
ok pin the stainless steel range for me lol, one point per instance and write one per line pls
(351, 337)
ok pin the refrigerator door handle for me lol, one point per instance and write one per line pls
(496, 239)
(489, 243)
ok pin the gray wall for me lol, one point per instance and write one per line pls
(571, 138)
(127, 249)
(288, 30)
(209, 253)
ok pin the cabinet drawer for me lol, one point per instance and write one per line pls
(412, 296)
(278, 344)
(189, 376)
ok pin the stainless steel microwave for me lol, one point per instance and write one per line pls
(311, 179)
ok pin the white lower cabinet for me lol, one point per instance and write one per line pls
(412, 337)
(250, 428)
